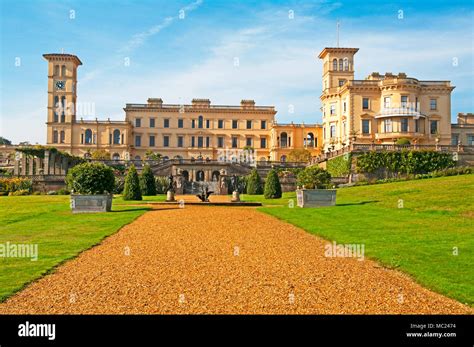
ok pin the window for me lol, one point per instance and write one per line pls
(234, 142)
(192, 141)
(404, 125)
(283, 140)
(88, 136)
(341, 65)
(341, 82)
(470, 140)
(166, 123)
(56, 107)
(263, 124)
(248, 141)
(433, 104)
(433, 127)
(63, 108)
(345, 106)
(200, 122)
(193, 123)
(180, 141)
(56, 70)
(417, 125)
(138, 122)
(332, 131)
(249, 124)
(454, 139)
(220, 142)
(263, 142)
(55, 136)
(152, 141)
(180, 123)
(63, 70)
(332, 109)
(387, 126)
(416, 104)
(152, 122)
(235, 124)
(334, 65)
(386, 102)
(200, 141)
(208, 123)
(346, 64)
(138, 140)
(365, 103)
(116, 137)
(166, 141)
(208, 142)
(220, 124)
(404, 101)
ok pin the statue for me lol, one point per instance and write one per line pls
(233, 183)
(204, 196)
(170, 184)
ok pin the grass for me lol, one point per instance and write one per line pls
(60, 235)
(419, 239)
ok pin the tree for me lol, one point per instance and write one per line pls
(313, 177)
(149, 155)
(254, 183)
(131, 190)
(100, 154)
(272, 186)
(91, 178)
(4, 141)
(301, 155)
(147, 181)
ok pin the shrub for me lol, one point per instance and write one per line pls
(403, 141)
(313, 177)
(63, 191)
(100, 154)
(8, 185)
(52, 192)
(254, 183)
(272, 186)
(131, 190)
(161, 183)
(119, 183)
(19, 192)
(91, 178)
(147, 181)
(300, 155)
(340, 166)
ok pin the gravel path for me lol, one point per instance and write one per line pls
(221, 260)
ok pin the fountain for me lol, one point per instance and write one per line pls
(204, 195)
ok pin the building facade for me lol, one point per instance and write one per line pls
(381, 108)
(462, 132)
(196, 130)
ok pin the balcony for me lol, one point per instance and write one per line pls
(399, 134)
(387, 112)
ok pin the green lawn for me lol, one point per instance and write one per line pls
(437, 215)
(60, 235)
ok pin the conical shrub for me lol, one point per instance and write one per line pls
(147, 181)
(254, 183)
(131, 190)
(272, 186)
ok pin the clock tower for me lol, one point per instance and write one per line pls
(62, 96)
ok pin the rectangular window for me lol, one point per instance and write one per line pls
(332, 109)
(417, 125)
(208, 123)
(404, 125)
(454, 139)
(263, 142)
(166, 123)
(365, 103)
(470, 140)
(193, 142)
(166, 141)
(200, 141)
(235, 124)
(332, 130)
(152, 140)
(193, 123)
(220, 142)
(180, 123)
(433, 127)
(180, 141)
(138, 122)
(263, 124)
(365, 126)
(138, 141)
(234, 142)
(220, 124)
(404, 101)
(152, 122)
(345, 106)
(433, 104)
(248, 141)
(387, 101)
(208, 141)
(249, 124)
(387, 126)
(341, 82)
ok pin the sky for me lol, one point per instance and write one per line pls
(224, 51)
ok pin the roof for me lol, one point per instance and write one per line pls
(327, 50)
(62, 56)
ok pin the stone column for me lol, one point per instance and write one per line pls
(39, 161)
(16, 169)
(46, 163)
(52, 164)
(31, 166)
(23, 165)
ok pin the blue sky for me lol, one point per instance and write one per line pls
(178, 59)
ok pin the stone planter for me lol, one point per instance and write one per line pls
(91, 203)
(315, 197)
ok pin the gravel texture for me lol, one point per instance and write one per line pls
(221, 260)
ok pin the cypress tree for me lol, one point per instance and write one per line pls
(131, 190)
(272, 186)
(254, 183)
(147, 181)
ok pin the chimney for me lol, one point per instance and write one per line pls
(201, 103)
(247, 104)
(155, 102)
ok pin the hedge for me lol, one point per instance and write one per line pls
(340, 166)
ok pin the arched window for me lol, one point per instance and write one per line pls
(88, 136)
(56, 70)
(62, 136)
(56, 108)
(200, 176)
(341, 65)
(334, 65)
(116, 156)
(185, 174)
(200, 122)
(63, 70)
(283, 140)
(346, 64)
(283, 158)
(55, 136)
(310, 140)
(116, 137)
(215, 176)
(263, 159)
(63, 109)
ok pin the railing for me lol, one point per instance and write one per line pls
(187, 106)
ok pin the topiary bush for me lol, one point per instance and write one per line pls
(91, 178)
(254, 183)
(272, 186)
(313, 177)
(131, 190)
(147, 181)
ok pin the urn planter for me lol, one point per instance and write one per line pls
(315, 197)
(91, 203)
